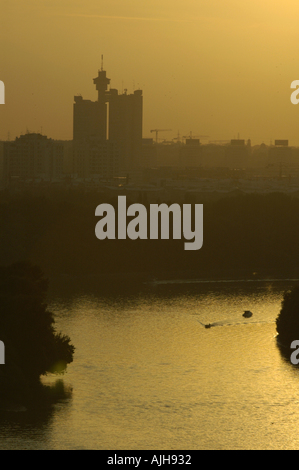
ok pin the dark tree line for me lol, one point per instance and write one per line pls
(252, 233)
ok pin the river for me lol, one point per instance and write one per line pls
(148, 375)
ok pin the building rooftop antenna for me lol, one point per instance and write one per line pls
(102, 63)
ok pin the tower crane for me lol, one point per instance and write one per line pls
(160, 130)
(190, 136)
(178, 138)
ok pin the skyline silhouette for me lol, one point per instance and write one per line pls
(213, 69)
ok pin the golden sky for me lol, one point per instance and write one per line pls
(214, 67)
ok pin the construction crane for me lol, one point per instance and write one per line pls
(191, 136)
(178, 138)
(160, 130)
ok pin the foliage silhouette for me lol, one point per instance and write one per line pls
(242, 234)
(287, 322)
(27, 327)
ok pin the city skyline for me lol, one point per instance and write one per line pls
(214, 69)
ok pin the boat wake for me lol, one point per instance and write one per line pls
(233, 323)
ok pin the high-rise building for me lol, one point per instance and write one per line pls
(125, 126)
(90, 117)
(114, 117)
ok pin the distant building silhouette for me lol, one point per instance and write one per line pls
(88, 121)
(281, 157)
(112, 126)
(237, 154)
(191, 154)
(96, 158)
(90, 117)
(149, 153)
(32, 156)
(125, 126)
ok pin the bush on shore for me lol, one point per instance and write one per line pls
(287, 322)
(27, 327)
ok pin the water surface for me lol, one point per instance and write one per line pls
(148, 375)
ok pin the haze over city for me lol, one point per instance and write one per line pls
(149, 214)
(218, 68)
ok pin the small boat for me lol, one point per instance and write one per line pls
(208, 325)
(247, 314)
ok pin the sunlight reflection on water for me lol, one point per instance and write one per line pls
(148, 375)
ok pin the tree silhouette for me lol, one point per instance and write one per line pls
(287, 322)
(27, 327)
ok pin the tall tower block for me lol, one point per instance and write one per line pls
(101, 82)
(125, 126)
(90, 117)
(112, 124)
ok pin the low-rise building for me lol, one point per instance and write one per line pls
(32, 156)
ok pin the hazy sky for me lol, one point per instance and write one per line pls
(215, 67)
